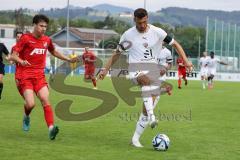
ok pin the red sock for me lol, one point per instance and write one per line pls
(27, 110)
(179, 82)
(94, 82)
(48, 114)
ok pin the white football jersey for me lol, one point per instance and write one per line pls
(204, 61)
(164, 57)
(145, 46)
(212, 63)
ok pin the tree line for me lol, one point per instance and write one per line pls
(191, 38)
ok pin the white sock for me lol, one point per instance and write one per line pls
(156, 101)
(203, 83)
(50, 127)
(140, 127)
(148, 103)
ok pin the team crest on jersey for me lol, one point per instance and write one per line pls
(45, 45)
(145, 45)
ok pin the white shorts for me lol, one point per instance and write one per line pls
(204, 71)
(154, 88)
(211, 71)
(163, 78)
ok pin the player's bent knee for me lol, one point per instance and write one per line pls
(30, 105)
(143, 80)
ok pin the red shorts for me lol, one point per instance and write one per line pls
(34, 84)
(182, 72)
(89, 70)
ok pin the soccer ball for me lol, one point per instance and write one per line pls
(161, 142)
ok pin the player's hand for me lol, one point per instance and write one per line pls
(163, 71)
(189, 66)
(11, 62)
(74, 60)
(25, 63)
(102, 74)
(8, 58)
(87, 59)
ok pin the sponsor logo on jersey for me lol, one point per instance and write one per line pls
(38, 51)
(32, 42)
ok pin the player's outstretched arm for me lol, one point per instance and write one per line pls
(223, 63)
(181, 53)
(61, 56)
(110, 62)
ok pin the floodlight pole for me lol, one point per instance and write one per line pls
(234, 44)
(145, 4)
(199, 46)
(215, 35)
(222, 40)
(206, 45)
(67, 41)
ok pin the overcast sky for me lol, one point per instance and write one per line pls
(152, 5)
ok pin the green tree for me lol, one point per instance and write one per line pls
(52, 27)
(110, 43)
(188, 37)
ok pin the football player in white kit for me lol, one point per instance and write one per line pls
(203, 63)
(212, 68)
(164, 60)
(143, 41)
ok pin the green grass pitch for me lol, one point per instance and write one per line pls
(201, 124)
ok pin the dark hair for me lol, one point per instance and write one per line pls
(18, 32)
(140, 13)
(40, 18)
(212, 53)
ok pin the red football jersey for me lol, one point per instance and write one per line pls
(34, 50)
(180, 60)
(88, 55)
(18, 66)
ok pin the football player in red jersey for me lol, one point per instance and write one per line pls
(17, 74)
(181, 72)
(89, 58)
(30, 52)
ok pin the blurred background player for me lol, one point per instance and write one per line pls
(3, 49)
(212, 68)
(181, 72)
(17, 65)
(165, 60)
(203, 63)
(89, 59)
(144, 42)
(30, 52)
(73, 66)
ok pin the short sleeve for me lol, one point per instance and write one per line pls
(163, 36)
(123, 38)
(169, 53)
(51, 47)
(160, 32)
(20, 44)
